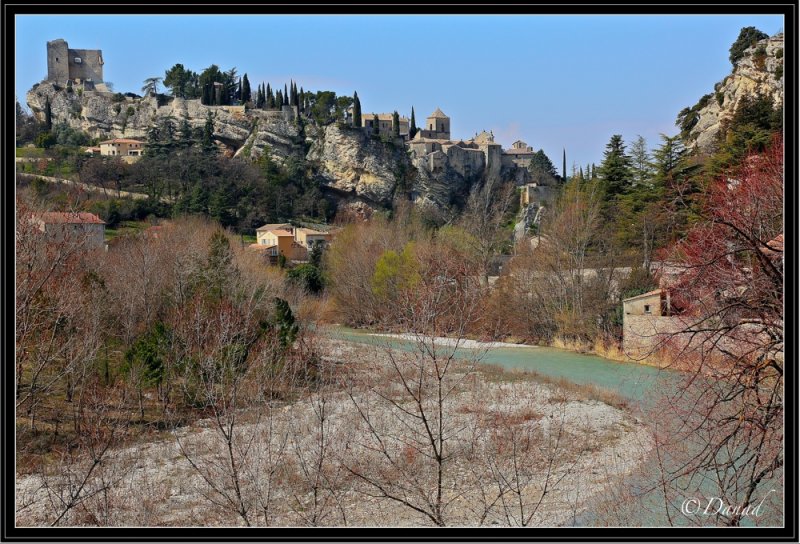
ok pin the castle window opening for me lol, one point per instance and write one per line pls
(77, 60)
(647, 309)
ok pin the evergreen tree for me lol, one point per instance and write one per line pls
(564, 165)
(356, 110)
(285, 96)
(219, 204)
(48, 115)
(542, 169)
(412, 128)
(748, 37)
(375, 125)
(208, 133)
(245, 89)
(185, 132)
(220, 270)
(640, 162)
(278, 99)
(270, 98)
(301, 100)
(615, 170)
(285, 322)
(198, 202)
(396, 124)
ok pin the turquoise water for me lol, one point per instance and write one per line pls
(635, 382)
(640, 384)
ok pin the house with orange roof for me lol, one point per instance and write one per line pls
(122, 147)
(82, 227)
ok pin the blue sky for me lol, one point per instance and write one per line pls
(553, 81)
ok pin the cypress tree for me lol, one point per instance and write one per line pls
(395, 124)
(375, 128)
(245, 89)
(564, 165)
(278, 99)
(208, 132)
(301, 100)
(285, 96)
(412, 129)
(356, 110)
(48, 115)
(270, 98)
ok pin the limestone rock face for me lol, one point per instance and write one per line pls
(350, 164)
(752, 75)
(106, 115)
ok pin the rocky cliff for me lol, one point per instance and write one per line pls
(758, 72)
(355, 169)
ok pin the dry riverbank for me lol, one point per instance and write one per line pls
(316, 460)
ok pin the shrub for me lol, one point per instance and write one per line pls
(118, 97)
(779, 54)
(779, 72)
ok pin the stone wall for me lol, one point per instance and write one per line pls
(90, 67)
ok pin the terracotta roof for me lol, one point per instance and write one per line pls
(260, 247)
(439, 114)
(281, 232)
(70, 217)
(273, 226)
(121, 141)
(312, 231)
(648, 294)
(776, 244)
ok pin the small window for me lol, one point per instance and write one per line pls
(77, 60)
(647, 309)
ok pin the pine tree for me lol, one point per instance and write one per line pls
(356, 110)
(396, 124)
(641, 168)
(412, 128)
(615, 170)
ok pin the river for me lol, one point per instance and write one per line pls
(636, 382)
(641, 385)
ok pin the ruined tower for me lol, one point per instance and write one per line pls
(65, 64)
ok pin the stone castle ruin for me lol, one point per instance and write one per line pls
(81, 66)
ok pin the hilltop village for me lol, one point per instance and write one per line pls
(261, 306)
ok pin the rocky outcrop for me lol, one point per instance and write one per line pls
(107, 115)
(360, 172)
(758, 72)
(350, 164)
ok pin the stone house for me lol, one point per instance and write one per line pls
(122, 147)
(308, 238)
(292, 242)
(81, 227)
(384, 124)
(519, 155)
